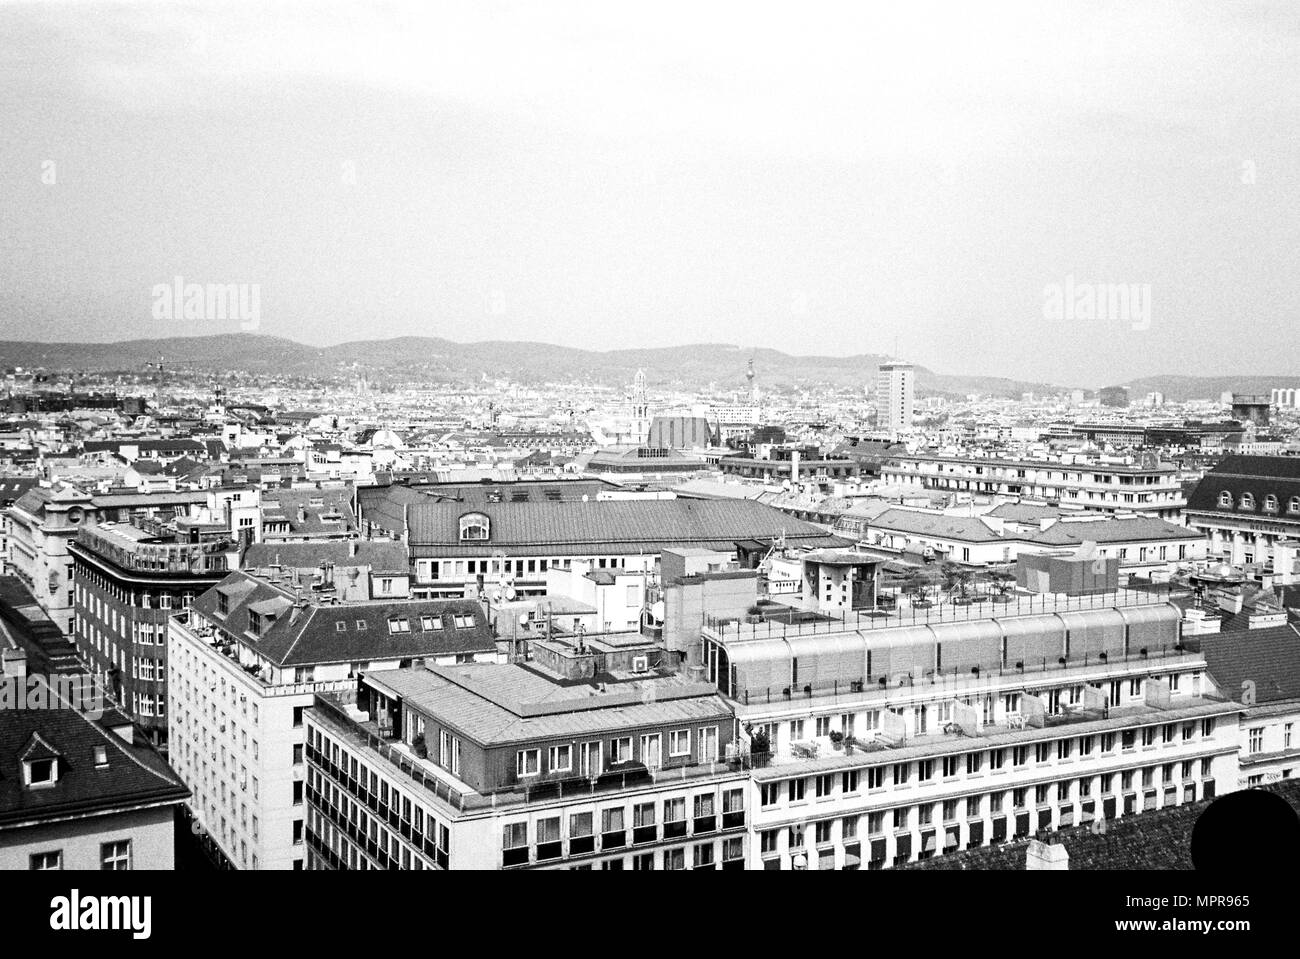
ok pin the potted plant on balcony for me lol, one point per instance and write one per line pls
(837, 739)
(419, 747)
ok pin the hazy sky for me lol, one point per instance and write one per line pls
(814, 178)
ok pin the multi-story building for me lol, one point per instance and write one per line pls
(894, 742)
(1247, 506)
(563, 763)
(128, 579)
(1143, 544)
(454, 549)
(895, 396)
(245, 663)
(1152, 489)
(78, 790)
(42, 522)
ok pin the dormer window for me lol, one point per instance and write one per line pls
(1294, 505)
(1270, 503)
(1225, 499)
(40, 772)
(474, 526)
(1247, 501)
(101, 756)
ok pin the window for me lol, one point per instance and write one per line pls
(876, 777)
(430, 622)
(795, 789)
(1247, 500)
(651, 751)
(849, 781)
(475, 526)
(620, 750)
(679, 742)
(560, 759)
(115, 856)
(1257, 739)
(528, 762)
(43, 861)
(399, 624)
(41, 772)
(822, 786)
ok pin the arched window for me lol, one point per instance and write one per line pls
(1270, 503)
(1225, 499)
(475, 526)
(1247, 501)
(1294, 505)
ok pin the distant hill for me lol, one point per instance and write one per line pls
(432, 359)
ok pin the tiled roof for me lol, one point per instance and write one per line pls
(381, 556)
(483, 702)
(1269, 657)
(133, 775)
(1111, 530)
(331, 634)
(622, 525)
(1257, 475)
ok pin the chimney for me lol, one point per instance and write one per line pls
(352, 547)
(1043, 856)
(794, 467)
(13, 664)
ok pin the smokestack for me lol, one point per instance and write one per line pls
(794, 467)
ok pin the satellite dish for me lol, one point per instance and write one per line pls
(523, 619)
(510, 593)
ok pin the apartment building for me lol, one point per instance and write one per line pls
(453, 548)
(895, 397)
(1247, 506)
(245, 663)
(1143, 544)
(78, 790)
(888, 743)
(128, 578)
(42, 522)
(521, 767)
(1152, 489)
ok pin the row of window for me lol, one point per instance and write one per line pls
(591, 755)
(975, 763)
(113, 857)
(548, 836)
(1247, 502)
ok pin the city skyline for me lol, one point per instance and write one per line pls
(906, 184)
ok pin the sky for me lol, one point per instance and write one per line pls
(913, 179)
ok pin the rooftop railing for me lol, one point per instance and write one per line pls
(822, 622)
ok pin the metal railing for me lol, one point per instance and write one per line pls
(979, 608)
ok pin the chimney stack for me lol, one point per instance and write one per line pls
(13, 664)
(1043, 856)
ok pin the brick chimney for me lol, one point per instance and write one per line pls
(13, 664)
(1044, 856)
